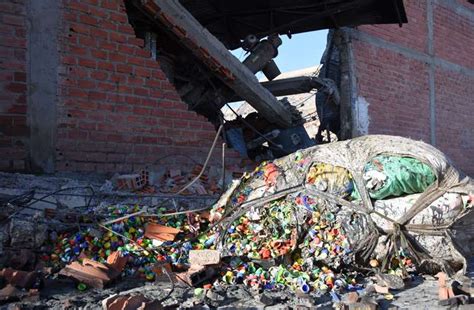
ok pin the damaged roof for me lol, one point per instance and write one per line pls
(231, 21)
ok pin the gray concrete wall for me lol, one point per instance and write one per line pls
(42, 71)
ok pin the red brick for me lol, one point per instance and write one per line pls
(80, 28)
(106, 86)
(77, 5)
(109, 4)
(118, 17)
(12, 41)
(17, 109)
(16, 87)
(77, 93)
(105, 66)
(126, 49)
(124, 68)
(117, 37)
(20, 76)
(107, 45)
(87, 19)
(141, 92)
(86, 84)
(144, 72)
(117, 57)
(13, 20)
(93, 95)
(136, 41)
(88, 63)
(141, 111)
(136, 61)
(100, 54)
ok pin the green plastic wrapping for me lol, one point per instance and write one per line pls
(404, 175)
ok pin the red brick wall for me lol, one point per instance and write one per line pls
(454, 36)
(14, 132)
(454, 107)
(392, 67)
(396, 89)
(413, 35)
(117, 112)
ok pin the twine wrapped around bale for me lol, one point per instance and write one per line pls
(457, 234)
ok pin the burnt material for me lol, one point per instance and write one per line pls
(296, 85)
(261, 56)
(231, 21)
(181, 25)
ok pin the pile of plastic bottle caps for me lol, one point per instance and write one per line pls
(294, 241)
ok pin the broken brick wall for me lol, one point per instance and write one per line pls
(115, 110)
(417, 81)
(14, 133)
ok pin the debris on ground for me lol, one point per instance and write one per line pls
(90, 272)
(350, 224)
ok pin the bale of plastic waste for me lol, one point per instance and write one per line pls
(390, 201)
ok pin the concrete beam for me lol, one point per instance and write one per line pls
(410, 53)
(217, 58)
(457, 8)
(289, 86)
(431, 71)
(43, 62)
(354, 121)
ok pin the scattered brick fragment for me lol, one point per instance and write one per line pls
(92, 273)
(161, 232)
(18, 278)
(130, 302)
(117, 261)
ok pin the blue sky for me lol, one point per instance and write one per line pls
(301, 51)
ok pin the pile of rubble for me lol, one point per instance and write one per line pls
(171, 181)
(293, 232)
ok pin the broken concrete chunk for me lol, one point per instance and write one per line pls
(465, 285)
(266, 299)
(361, 306)
(27, 233)
(161, 232)
(390, 280)
(92, 273)
(214, 296)
(204, 257)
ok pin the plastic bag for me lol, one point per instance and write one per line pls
(392, 176)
